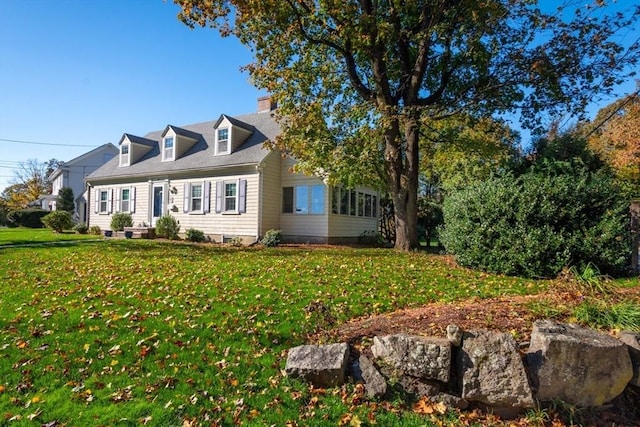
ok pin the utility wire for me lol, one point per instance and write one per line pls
(46, 143)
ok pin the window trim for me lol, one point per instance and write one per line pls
(192, 198)
(165, 157)
(127, 154)
(309, 191)
(240, 197)
(122, 199)
(218, 140)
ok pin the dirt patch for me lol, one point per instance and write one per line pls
(512, 314)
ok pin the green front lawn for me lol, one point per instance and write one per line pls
(22, 236)
(129, 332)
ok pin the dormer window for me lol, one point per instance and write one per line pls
(167, 149)
(124, 155)
(222, 141)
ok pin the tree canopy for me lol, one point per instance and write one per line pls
(615, 137)
(354, 80)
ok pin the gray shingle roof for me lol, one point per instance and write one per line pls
(182, 132)
(201, 155)
(138, 140)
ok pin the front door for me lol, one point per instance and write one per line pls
(157, 209)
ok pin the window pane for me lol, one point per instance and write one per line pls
(196, 191)
(344, 202)
(367, 205)
(230, 190)
(360, 204)
(223, 134)
(335, 200)
(103, 201)
(196, 197)
(302, 200)
(230, 196)
(352, 202)
(103, 196)
(223, 140)
(125, 149)
(317, 199)
(196, 204)
(125, 194)
(374, 207)
(287, 200)
(168, 143)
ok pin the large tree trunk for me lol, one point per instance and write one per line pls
(402, 172)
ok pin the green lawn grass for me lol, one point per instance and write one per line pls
(23, 236)
(127, 332)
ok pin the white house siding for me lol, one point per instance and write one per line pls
(140, 204)
(303, 228)
(217, 226)
(271, 196)
(349, 227)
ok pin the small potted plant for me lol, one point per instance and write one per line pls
(108, 233)
(128, 234)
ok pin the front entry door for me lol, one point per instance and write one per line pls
(157, 204)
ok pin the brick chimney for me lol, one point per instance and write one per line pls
(266, 104)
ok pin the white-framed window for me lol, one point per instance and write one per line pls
(103, 201)
(231, 196)
(303, 200)
(196, 197)
(125, 199)
(167, 149)
(222, 141)
(124, 155)
(354, 203)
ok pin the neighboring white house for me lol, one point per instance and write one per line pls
(219, 178)
(72, 174)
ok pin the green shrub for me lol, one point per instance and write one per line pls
(95, 230)
(58, 221)
(30, 218)
(167, 227)
(81, 228)
(372, 238)
(538, 223)
(194, 235)
(272, 238)
(235, 241)
(120, 220)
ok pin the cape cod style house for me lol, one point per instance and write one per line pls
(218, 177)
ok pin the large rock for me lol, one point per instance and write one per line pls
(421, 357)
(364, 371)
(577, 365)
(492, 371)
(321, 365)
(632, 340)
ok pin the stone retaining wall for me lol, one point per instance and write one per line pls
(563, 361)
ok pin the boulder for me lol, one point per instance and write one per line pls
(420, 357)
(454, 335)
(492, 372)
(364, 371)
(632, 340)
(451, 401)
(577, 365)
(321, 365)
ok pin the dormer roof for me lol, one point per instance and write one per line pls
(234, 122)
(138, 140)
(261, 127)
(182, 132)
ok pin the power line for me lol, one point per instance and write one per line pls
(46, 143)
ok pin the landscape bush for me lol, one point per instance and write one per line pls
(194, 235)
(272, 238)
(538, 223)
(30, 218)
(167, 227)
(95, 230)
(58, 221)
(120, 220)
(81, 228)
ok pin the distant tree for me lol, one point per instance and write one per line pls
(30, 181)
(615, 137)
(354, 80)
(65, 200)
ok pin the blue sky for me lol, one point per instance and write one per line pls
(84, 72)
